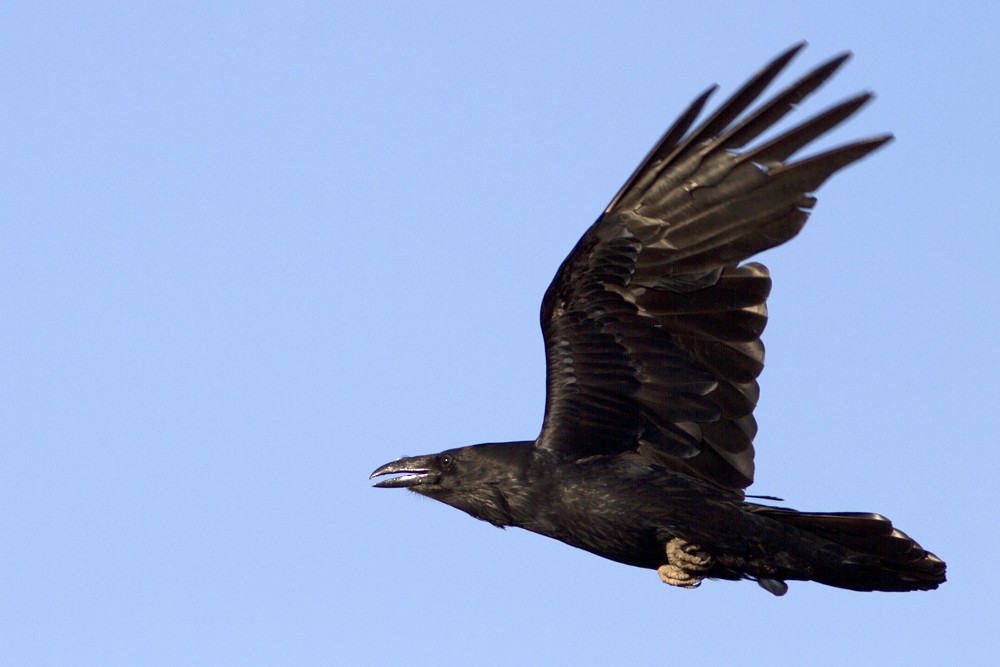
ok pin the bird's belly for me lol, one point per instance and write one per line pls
(608, 528)
(628, 513)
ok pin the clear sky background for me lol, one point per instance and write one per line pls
(249, 252)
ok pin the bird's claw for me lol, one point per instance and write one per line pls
(686, 564)
(688, 556)
(675, 576)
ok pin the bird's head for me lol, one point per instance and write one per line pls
(477, 479)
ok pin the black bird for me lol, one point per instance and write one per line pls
(652, 338)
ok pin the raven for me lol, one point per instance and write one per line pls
(652, 339)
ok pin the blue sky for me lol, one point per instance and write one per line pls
(249, 252)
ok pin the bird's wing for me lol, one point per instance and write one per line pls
(652, 326)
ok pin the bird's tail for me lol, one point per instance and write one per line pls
(858, 551)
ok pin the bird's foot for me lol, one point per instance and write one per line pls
(688, 556)
(686, 564)
(675, 576)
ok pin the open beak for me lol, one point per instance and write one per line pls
(416, 470)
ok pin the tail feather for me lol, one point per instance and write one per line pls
(861, 551)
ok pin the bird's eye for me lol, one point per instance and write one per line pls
(447, 462)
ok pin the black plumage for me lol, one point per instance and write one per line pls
(652, 332)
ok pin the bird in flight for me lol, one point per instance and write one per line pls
(652, 330)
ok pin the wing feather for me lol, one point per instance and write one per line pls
(652, 324)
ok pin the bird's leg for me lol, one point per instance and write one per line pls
(686, 564)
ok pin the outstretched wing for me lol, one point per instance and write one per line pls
(652, 326)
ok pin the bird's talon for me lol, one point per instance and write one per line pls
(675, 576)
(687, 556)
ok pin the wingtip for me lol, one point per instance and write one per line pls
(854, 103)
(793, 49)
(828, 67)
(879, 140)
(705, 94)
(843, 56)
(835, 63)
(782, 59)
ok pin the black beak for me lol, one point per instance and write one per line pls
(417, 470)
